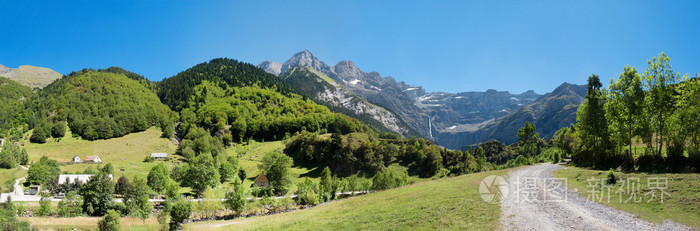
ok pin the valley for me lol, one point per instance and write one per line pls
(349, 115)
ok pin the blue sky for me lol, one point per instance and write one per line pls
(448, 46)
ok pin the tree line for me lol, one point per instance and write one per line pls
(643, 121)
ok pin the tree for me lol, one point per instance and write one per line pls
(202, 173)
(158, 177)
(39, 134)
(326, 181)
(307, 192)
(480, 158)
(242, 175)
(70, 205)
(122, 186)
(625, 106)
(8, 221)
(136, 199)
(97, 194)
(109, 222)
(228, 168)
(236, 199)
(180, 211)
(43, 171)
(108, 169)
(44, 206)
(528, 138)
(58, 130)
(276, 167)
(659, 80)
(592, 127)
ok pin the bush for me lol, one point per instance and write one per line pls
(44, 207)
(611, 177)
(70, 206)
(306, 192)
(180, 211)
(556, 158)
(389, 179)
(109, 222)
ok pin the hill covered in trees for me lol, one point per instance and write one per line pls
(99, 105)
(239, 113)
(177, 90)
(12, 97)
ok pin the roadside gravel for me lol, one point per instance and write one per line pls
(536, 201)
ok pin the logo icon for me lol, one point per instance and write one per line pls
(493, 188)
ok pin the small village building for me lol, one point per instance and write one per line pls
(261, 181)
(76, 159)
(93, 159)
(72, 178)
(159, 156)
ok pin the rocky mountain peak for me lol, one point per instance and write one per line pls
(271, 67)
(346, 70)
(304, 58)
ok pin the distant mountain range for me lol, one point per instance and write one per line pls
(453, 120)
(30, 76)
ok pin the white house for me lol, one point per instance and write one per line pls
(94, 159)
(76, 159)
(159, 156)
(71, 178)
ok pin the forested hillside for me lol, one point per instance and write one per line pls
(240, 113)
(176, 90)
(12, 97)
(99, 105)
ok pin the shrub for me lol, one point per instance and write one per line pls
(44, 206)
(611, 177)
(109, 222)
(556, 158)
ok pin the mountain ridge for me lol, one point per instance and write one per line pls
(31, 76)
(450, 119)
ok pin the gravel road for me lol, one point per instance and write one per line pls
(544, 203)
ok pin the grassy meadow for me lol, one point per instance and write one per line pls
(448, 203)
(88, 223)
(125, 153)
(682, 204)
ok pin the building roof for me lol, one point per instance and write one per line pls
(159, 155)
(261, 178)
(89, 158)
(71, 178)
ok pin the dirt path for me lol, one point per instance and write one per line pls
(536, 201)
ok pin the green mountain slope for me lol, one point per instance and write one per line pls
(176, 90)
(101, 105)
(261, 114)
(12, 96)
(30, 76)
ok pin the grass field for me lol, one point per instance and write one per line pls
(682, 204)
(6, 174)
(127, 152)
(88, 223)
(250, 156)
(448, 203)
